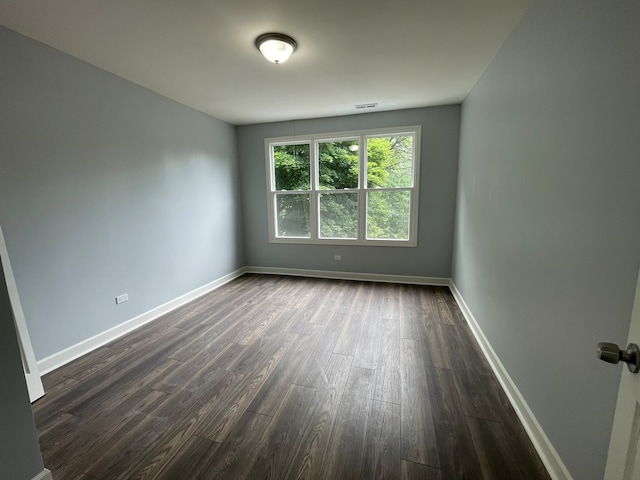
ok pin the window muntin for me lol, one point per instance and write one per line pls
(329, 189)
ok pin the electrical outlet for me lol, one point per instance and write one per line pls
(337, 257)
(122, 298)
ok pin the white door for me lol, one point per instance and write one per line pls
(34, 384)
(623, 462)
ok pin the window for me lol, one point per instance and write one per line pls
(346, 188)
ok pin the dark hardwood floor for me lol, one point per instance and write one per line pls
(275, 377)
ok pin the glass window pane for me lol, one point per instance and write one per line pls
(338, 164)
(388, 215)
(291, 163)
(293, 215)
(390, 161)
(339, 215)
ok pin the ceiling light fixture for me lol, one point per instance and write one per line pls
(276, 47)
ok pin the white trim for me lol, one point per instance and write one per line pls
(65, 356)
(30, 366)
(314, 191)
(367, 277)
(548, 454)
(43, 475)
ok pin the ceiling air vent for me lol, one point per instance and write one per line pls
(366, 106)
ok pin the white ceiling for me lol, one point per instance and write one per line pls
(397, 53)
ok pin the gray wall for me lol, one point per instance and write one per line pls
(20, 457)
(107, 188)
(438, 171)
(547, 241)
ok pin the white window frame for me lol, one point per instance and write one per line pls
(314, 192)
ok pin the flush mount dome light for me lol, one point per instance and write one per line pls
(276, 47)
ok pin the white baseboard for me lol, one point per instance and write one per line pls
(65, 356)
(367, 277)
(43, 475)
(552, 461)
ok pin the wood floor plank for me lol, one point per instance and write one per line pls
(92, 439)
(198, 372)
(441, 348)
(187, 415)
(456, 449)
(297, 438)
(119, 457)
(258, 350)
(419, 442)
(382, 449)
(334, 291)
(61, 387)
(444, 313)
(202, 308)
(519, 447)
(310, 372)
(428, 303)
(225, 318)
(345, 455)
(477, 387)
(391, 301)
(265, 378)
(88, 365)
(388, 379)
(303, 306)
(232, 459)
(87, 390)
(454, 308)
(416, 471)
(137, 340)
(411, 313)
(57, 434)
(347, 341)
(497, 461)
(284, 435)
(98, 421)
(121, 391)
(320, 421)
(208, 340)
(192, 460)
(219, 425)
(237, 453)
(371, 335)
(271, 394)
(267, 317)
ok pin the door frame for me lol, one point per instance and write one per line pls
(625, 432)
(31, 373)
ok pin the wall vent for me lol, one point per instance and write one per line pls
(366, 106)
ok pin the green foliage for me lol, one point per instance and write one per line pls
(293, 215)
(292, 172)
(389, 165)
(389, 161)
(339, 215)
(388, 215)
(338, 165)
(292, 167)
